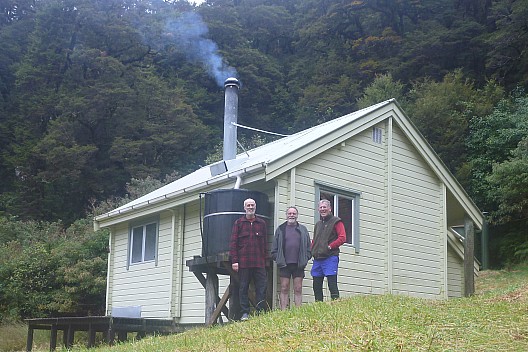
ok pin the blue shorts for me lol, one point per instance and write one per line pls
(325, 267)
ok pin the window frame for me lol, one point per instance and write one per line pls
(340, 192)
(145, 248)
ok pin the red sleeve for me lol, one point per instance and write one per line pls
(341, 235)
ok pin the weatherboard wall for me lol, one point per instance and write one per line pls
(356, 165)
(416, 247)
(143, 284)
(455, 274)
(417, 229)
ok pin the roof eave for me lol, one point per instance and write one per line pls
(124, 214)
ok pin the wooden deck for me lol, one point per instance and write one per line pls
(107, 325)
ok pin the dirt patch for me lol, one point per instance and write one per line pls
(484, 274)
(520, 294)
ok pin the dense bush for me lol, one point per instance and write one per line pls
(47, 270)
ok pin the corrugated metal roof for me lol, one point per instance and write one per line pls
(252, 159)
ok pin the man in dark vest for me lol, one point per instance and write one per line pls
(329, 235)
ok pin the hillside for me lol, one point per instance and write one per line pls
(494, 319)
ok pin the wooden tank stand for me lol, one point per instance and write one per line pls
(213, 266)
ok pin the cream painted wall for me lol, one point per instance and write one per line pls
(356, 165)
(144, 284)
(417, 224)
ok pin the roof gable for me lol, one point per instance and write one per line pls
(277, 157)
(251, 160)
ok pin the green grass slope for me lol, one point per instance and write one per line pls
(494, 319)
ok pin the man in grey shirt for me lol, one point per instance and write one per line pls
(291, 252)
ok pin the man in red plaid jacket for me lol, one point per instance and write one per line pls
(248, 252)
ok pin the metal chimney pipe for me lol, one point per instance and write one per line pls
(230, 116)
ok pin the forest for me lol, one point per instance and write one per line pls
(102, 101)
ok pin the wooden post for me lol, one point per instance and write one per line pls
(68, 336)
(211, 293)
(91, 336)
(122, 336)
(65, 337)
(53, 337)
(110, 335)
(485, 243)
(469, 257)
(219, 307)
(202, 280)
(29, 341)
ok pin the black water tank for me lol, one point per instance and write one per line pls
(222, 208)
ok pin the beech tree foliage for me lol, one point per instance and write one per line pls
(95, 93)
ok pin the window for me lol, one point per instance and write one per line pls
(376, 135)
(345, 205)
(143, 243)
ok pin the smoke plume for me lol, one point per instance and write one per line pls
(188, 33)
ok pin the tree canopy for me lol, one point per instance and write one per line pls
(95, 93)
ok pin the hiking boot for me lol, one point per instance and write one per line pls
(245, 317)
